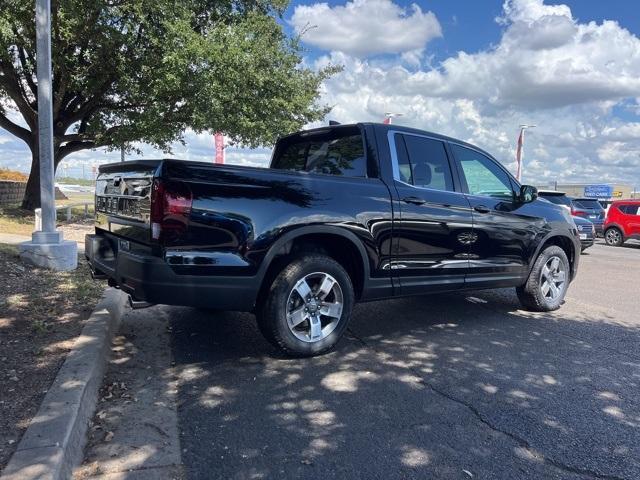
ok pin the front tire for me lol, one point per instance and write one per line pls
(307, 307)
(548, 281)
(613, 237)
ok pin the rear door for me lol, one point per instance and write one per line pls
(503, 229)
(431, 239)
(631, 219)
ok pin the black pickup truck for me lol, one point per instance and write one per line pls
(344, 214)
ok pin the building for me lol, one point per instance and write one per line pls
(604, 192)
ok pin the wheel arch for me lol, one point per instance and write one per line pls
(340, 244)
(562, 240)
(613, 225)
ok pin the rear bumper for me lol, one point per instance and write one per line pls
(586, 243)
(150, 278)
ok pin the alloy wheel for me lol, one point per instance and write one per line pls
(613, 236)
(314, 307)
(553, 279)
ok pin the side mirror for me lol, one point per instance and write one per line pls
(528, 193)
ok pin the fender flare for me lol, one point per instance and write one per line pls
(546, 238)
(613, 225)
(307, 230)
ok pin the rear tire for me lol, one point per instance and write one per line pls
(613, 236)
(548, 281)
(308, 306)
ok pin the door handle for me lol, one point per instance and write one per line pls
(481, 209)
(414, 200)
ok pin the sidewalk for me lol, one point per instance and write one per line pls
(13, 239)
(134, 433)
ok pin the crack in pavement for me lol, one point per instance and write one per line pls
(522, 442)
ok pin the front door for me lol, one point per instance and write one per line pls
(504, 229)
(431, 239)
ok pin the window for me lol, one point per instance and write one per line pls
(484, 177)
(557, 199)
(629, 209)
(423, 162)
(334, 152)
(586, 203)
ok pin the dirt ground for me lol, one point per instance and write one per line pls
(41, 313)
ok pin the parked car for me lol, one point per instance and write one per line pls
(556, 197)
(344, 214)
(622, 222)
(586, 228)
(586, 232)
(591, 209)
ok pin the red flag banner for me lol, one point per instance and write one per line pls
(519, 155)
(219, 138)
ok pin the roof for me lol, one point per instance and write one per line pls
(630, 200)
(387, 127)
(551, 192)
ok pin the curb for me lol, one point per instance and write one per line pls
(54, 441)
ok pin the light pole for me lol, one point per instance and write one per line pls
(520, 151)
(47, 248)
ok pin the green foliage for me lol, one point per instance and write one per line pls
(75, 181)
(145, 70)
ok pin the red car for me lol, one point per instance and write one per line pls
(622, 222)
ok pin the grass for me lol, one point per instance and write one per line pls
(16, 221)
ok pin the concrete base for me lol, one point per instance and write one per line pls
(57, 255)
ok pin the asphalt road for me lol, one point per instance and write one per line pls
(446, 386)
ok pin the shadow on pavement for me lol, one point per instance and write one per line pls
(443, 386)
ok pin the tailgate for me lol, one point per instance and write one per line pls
(123, 198)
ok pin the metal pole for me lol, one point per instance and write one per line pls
(521, 151)
(47, 248)
(45, 114)
(522, 129)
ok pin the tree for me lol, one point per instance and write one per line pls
(129, 71)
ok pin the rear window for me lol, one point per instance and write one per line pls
(557, 199)
(335, 152)
(629, 209)
(594, 204)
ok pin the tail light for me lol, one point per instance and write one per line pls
(170, 209)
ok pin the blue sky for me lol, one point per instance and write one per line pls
(473, 70)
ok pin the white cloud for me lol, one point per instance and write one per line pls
(366, 27)
(547, 69)
(15, 155)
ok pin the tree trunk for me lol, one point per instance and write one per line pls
(31, 199)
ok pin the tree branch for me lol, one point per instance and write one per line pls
(11, 83)
(70, 147)
(20, 132)
(28, 70)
